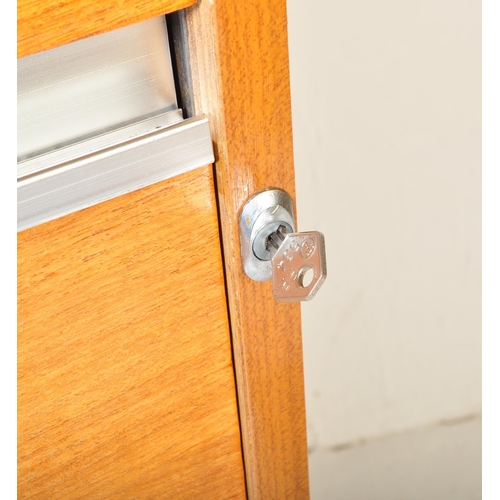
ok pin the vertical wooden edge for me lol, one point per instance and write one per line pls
(239, 59)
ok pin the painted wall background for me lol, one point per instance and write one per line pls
(386, 102)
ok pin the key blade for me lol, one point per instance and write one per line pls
(299, 266)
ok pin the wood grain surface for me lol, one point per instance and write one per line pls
(125, 378)
(239, 55)
(45, 24)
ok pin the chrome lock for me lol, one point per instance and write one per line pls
(271, 249)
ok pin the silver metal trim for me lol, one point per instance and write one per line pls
(92, 86)
(63, 188)
(89, 146)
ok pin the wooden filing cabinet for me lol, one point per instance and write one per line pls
(149, 365)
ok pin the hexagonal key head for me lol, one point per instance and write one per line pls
(299, 266)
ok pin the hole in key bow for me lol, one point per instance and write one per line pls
(306, 275)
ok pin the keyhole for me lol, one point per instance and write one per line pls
(306, 275)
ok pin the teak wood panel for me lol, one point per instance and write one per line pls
(125, 377)
(45, 24)
(239, 59)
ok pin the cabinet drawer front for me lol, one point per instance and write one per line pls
(125, 377)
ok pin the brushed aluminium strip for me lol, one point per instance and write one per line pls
(91, 86)
(110, 172)
(84, 148)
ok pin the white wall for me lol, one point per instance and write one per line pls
(386, 99)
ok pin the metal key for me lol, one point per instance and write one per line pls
(298, 264)
(271, 249)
